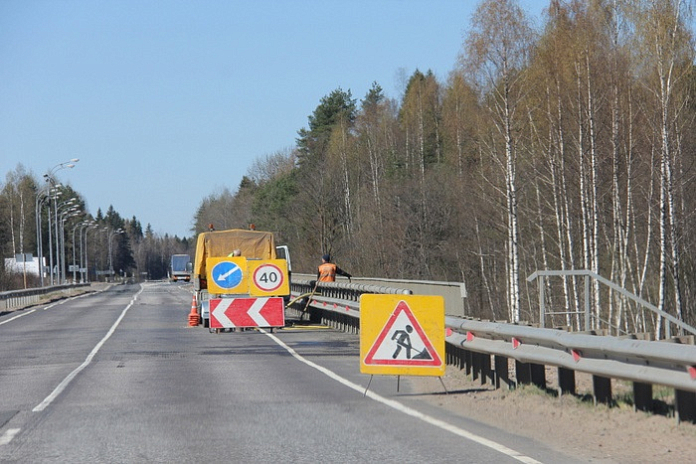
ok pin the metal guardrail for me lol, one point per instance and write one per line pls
(18, 298)
(471, 344)
(454, 293)
(336, 304)
(645, 363)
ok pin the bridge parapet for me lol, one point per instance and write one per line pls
(454, 293)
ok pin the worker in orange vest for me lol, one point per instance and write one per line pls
(327, 270)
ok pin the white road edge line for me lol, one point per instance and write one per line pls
(66, 381)
(18, 316)
(48, 307)
(406, 410)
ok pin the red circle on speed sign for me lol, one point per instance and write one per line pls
(268, 277)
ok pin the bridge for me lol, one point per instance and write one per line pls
(126, 355)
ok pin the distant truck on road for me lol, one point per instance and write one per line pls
(180, 268)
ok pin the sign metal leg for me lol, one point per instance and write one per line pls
(443, 385)
(368, 385)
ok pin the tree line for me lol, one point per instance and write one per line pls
(564, 147)
(102, 243)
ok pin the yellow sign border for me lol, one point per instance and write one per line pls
(377, 313)
(241, 289)
(281, 264)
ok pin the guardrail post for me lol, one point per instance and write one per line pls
(566, 381)
(642, 396)
(468, 361)
(523, 373)
(501, 371)
(538, 373)
(461, 357)
(486, 371)
(528, 373)
(601, 387)
(476, 366)
(685, 405)
(455, 357)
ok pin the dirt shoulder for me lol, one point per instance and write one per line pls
(569, 424)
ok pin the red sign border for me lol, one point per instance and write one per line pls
(402, 306)
(280, 284)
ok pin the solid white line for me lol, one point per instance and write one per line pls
(406, 410)
(18, 316)
(8, 436)
(48, 307)
(66, 381)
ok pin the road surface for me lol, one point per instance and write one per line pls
(118, 376)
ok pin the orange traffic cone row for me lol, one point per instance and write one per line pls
(193, 315)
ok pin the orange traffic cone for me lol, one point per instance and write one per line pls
(193, 315)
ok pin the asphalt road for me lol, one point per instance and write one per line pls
(118, 376)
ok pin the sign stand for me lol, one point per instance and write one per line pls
(402, 335)
(368, 386)
(398, 382)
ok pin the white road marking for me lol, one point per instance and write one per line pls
(18, 316)
(24, 313)
(66, 381)
(8, 436)
(406, 410)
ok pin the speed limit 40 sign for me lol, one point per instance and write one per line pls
(269, 277)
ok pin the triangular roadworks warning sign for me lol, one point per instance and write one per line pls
(402, 343)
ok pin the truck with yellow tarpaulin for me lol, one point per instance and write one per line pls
(239, 281)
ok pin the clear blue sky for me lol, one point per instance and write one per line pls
(166, 102)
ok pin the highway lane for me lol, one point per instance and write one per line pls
(119, 377)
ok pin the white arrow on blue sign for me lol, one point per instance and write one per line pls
(227, 274)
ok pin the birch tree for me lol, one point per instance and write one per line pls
(669, 56)
(497, 51)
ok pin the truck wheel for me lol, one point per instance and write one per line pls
(206, 323)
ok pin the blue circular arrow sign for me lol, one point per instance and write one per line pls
(226, 274)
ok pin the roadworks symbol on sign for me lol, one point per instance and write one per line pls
(403, 342)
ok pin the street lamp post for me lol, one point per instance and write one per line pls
(74, 211)
(82, 225)
(93, 226)
(50, 178)
(60, 211)
(41, 196)
(54, 196)
(111, 234)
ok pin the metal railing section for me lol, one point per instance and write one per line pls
(588, 275)
(336, 304)
(454, 293)
(471, 344)
(18, 298)
(344, 290)
(638, 352)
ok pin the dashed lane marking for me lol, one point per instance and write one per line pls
(8, 436)
(66, 381)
